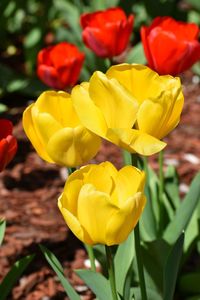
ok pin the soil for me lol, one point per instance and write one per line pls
(29, 189)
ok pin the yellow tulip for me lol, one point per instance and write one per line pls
(103, 205)
(56, 132)
(131, 106)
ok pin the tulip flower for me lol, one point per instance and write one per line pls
(130, 106)
(59, 66)
(170, 46)
(56, 132)
(103, 205)
(8, 143)
(107, 32)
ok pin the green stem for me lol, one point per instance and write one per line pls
(134, 159)
(161, 175)
(139, 262)
(90, 252)
(111, 272)
(161, 190)
(71, 170)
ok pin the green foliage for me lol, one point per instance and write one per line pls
(97, 283)
(56, 266)
(2, 230)
(13, 275)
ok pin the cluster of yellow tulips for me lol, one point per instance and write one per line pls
(130, 106)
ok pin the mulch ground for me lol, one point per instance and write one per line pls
(29, 189)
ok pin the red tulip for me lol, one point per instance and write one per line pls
(59, 66)
(107, 32)
(8, 143)
(170, 46)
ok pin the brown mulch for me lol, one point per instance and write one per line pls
(29, 189)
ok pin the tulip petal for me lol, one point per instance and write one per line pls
(73, 223)
(32, 134)
(135, 141)
(45, 124)
(59, 106)
(89, 114)
(139, 80)
(94, 223)
(118, 106)
(124, 183)
(99, 178)
(69, 146)
(129, 214)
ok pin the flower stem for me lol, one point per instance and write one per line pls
(139, 263)
(137, 243)
(161, 189)
(111, 272)
(71, 170)
(90, 253)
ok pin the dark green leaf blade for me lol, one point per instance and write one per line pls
(122, 261)
(171, 268)
(184, 212)
(97, 283)
(13, 275)
(56, 266)
(2, 230)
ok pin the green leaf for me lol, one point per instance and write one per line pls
(3, 107)
(172, 186)
(184, 212)
(13, 275)
(171, 268)
(192, 230)
(136, 55)
(122, 261)
(154, 256)
(2, 230)
(97, 283)
(194, 3)
(56, 266)
(148, 220)
(189, 283)
(152, 294)
(33, 37)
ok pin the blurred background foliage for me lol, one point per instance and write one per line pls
(28, 26)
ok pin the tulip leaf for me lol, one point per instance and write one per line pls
(56, 266)
(171, 268)
(154, 255)
(2, 230)
(152, 294)
(148, 218)
(184, 212)
(171, 186)
(136, 55)
(122, 261)
(13, 275)
(97, 283)
(189, 283)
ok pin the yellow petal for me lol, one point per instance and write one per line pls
(118, 106)
(89, 114)
(135, 141)
(94, 211)
(31, 133)
(139, 80)
(73, 223)
(73, 146)
(59, 106)
(100, 177)
(129, 181)
(45, 125)
(124, 220)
